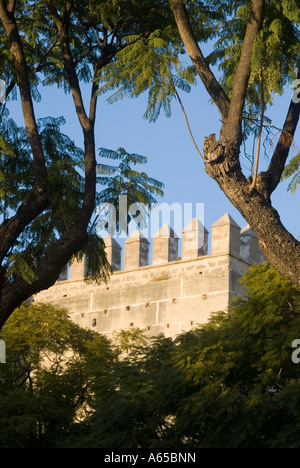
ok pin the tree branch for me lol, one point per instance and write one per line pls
(67, 15)
(69, 64)
(261, 126)
(16, 48)
(94, 96)
(87, 124)
(232, 129)
(10, 87)
(38, 199)
(269, 180)
(188, 125)
(47, 272)
(209, 80)
(11, 5)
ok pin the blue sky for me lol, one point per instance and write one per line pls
(172, 157)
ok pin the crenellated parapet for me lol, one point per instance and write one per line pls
(113, 253)
(165, 246)
(194, 240)
(168, 285)
(227, 238)
(136, 252)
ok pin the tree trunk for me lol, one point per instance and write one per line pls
(222, 158)
(74, 239)
(279, 247)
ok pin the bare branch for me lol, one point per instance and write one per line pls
(11, 6)
(269, 180)
(39, 198)
(10, 87)
(188, 125)
(262, 95)
(209, 80)
(16, 49)
(69, 63)
(232, 129)
(68, 10)
(94, 93)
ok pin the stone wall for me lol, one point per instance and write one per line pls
(168, 296)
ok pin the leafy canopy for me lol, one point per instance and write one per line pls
(48, 377)
(227, 384)
(230, 383)
(156, 62)
(66, 185)
(97, 32)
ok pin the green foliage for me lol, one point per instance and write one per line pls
(64, 161)
(124, 180)
(126, 340)
(148, 64)
(276, 50)
(98, 30)
(230, 383)
(45, 384)
(151, 62)
(66, 187)
(292, 170)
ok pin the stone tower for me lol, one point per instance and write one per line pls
(167, 295)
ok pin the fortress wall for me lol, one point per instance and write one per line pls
(169, 296)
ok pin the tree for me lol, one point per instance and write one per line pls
(244, 374)
(230, 383)
(256, 45)
(47, 380)
(258, 50)
(129, 47)
(48, 186)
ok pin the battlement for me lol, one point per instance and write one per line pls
(170, 294)
(226, 238)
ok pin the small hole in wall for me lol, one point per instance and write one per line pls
(127, 307)
(148, 328)
(192, 322)
(168, 325)
(131, 324)
(94, 323)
